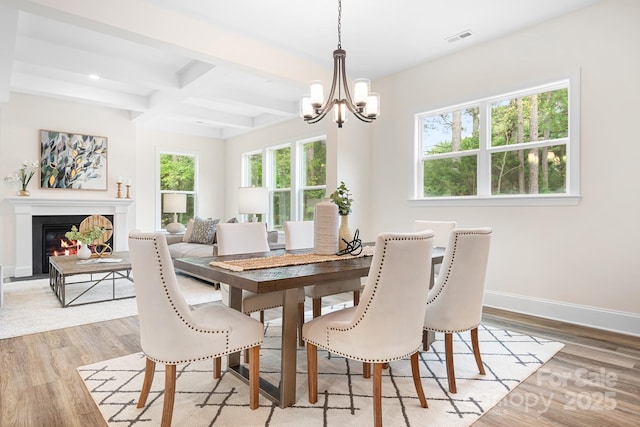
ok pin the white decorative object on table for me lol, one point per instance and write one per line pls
(83, 251)
(325, 228)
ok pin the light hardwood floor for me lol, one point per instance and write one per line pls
(594, 380)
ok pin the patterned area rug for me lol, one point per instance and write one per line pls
(344, 396)
(30, 306)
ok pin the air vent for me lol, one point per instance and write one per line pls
(459, 36)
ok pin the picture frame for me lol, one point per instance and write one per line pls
(73, 161)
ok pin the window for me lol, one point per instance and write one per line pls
(516, 145)
(177, 175)
(313, 176)
(295, 175)
(280, 186)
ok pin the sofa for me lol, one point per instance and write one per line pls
(199, 239)
(178, 248)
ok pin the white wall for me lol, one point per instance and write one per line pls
(210, 174)
(131, 154)
(20, 121)
(347, 159)
(544, 260)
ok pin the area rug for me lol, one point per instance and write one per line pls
(344, 396)
(30, 306)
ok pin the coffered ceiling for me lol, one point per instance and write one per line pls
(223, 68)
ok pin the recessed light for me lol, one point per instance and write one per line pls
(94, 77)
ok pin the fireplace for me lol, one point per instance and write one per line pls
(25, 208)
(48, 238)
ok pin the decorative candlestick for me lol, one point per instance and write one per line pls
(128, 193)
(119, 194)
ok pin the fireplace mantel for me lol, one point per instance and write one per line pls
(26, 207)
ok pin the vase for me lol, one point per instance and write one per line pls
(344, 233)
(325, 228)
(83, 251)
(24, 193)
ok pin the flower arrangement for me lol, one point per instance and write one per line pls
(342, 198)
(86, 237)
(24, 174)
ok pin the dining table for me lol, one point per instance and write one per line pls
(287, 279)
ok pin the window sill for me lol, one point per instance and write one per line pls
(550, 200)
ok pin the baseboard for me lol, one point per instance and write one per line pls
(610, 320)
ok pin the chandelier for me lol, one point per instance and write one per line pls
(364, 104)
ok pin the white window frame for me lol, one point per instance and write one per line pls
(296, 189)
(300, 187)
(484, 196)
(160, 192)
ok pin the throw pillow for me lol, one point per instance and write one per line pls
(188, 231)
(203, 231)
(215, 235)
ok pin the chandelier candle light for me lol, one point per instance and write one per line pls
(364, 104)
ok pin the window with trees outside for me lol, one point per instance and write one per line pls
(517, 144)
(177, 175)
(295, 176)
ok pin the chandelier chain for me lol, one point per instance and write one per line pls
(339, 24)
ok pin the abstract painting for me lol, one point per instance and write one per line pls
(74, 161)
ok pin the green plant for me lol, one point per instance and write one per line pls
(342, 198)
(87, 237)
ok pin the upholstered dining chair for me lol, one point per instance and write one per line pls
(441, 230)
(455, 302)
(387, 324)
(299, 235)
(245, 238)
(172, 332)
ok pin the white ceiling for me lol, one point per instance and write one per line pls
(222, 68)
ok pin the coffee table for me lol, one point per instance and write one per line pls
(100, 270)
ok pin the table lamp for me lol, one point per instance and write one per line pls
(253, 201)
(175, 203)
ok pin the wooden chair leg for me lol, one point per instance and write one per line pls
(149, 371)
(377, 394)
(356, 298)
(476, 350)
(316, 303)
(448, 351)
(169, 395)
(417, 381)
(366, 369)
(217, 367)
(262, 316)
(300, 323)
(254, 377)
(312, 372)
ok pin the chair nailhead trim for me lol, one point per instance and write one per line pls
(190, 326)
(375, 289)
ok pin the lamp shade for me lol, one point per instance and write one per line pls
(174, 203)
(253, 200)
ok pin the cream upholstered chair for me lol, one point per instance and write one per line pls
(441, 230)
(455, 302)
(172, 332)
(299, 235)
(245, 238)
(387, 324)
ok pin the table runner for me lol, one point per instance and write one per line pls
(285, 260)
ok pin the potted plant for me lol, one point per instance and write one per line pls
(85, 238)
(342, 198)
(23, 175)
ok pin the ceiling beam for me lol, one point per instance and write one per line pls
(42, 86)
(82, 62)
(200, 40)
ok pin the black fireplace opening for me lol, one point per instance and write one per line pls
(48, 238)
